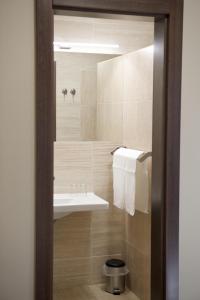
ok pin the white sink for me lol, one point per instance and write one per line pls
(65, 204)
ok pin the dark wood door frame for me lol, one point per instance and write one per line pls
(166, 137)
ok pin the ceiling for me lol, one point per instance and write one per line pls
(103, 35)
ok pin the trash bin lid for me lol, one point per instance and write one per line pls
(115, 263)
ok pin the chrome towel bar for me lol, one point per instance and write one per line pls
(144, 156)
(141, 158)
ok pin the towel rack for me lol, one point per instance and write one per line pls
(141, 158)
(112, 152)
(144, 156)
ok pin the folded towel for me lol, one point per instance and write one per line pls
(124, 178)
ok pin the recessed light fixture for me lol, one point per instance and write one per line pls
(83, 45)
(64, 48)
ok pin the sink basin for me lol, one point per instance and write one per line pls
(65, 204)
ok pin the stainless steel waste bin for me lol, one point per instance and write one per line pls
(115, 271)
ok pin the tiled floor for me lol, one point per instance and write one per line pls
(92, 292)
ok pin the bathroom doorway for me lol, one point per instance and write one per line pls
(96, 112)
(104, 100)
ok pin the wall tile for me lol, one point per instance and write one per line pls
(89, 86)
(77, 266)
(139, 277)
(72, 165)
(110, 80)
(72, 236)
(107, 232)
(144, 125)
(75, 70)
(127, 80)
(124, 116)
(67, 122)
(138, 75)
(109, 121)
(138, 231)
(71, 272)
(100, 122)
(88, 237)
(88, 103)
(88, 123)
(130, 121)
(102, 169)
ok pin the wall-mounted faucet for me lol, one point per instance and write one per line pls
(64, 92)
(73, 92)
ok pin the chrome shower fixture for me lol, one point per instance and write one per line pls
(64, 92)
(73, 92)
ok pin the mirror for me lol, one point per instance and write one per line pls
(76, 95)
(92, 56)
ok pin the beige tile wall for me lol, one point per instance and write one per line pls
(72, 165)
(76, 70)
(124, 99)
(109, 100)
(88, 96)
(138, 250)
(84, 240)
(124, 115)
(67, 121)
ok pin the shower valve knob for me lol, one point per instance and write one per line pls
(64, 92)
(73, 92)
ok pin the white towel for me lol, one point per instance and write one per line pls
(143, 187)
(124, 178)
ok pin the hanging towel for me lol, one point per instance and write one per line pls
(124, 178)
(143, 187)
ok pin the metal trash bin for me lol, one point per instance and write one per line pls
(115, 271)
